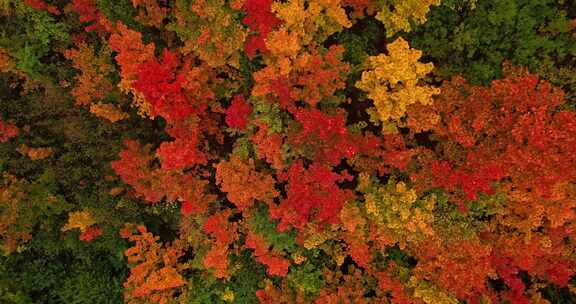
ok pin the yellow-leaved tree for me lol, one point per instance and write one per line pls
(397, 14)
(399, 214)
(393, 82)
(312, 20)
(79, 220)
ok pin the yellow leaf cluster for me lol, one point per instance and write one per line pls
(392, 82)
(430, 293)
(228, 295)
(312, 20)
(399, 213)
(79, 220)
(315, 240)
(397, 14)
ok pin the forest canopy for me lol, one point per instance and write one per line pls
(288, 151)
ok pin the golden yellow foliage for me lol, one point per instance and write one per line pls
(228, 295)
(298, 258)
(392, 82)
(79, 220)
(315, 240)
(312, 20)
(283, 43)
(399, 213)
(430, 293)
(404, 11)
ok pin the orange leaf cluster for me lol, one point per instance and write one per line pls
(35, 153)
(131, 53)
(276, 264)
(243, 184)
(108, 111)
(155, 274)
(153, 184)
(6, 61)
(150, 12)
(93, 82)
(309, 77)
(268, 145)
(11, 234)
(224, 234)
(510, 130)
(461, 267)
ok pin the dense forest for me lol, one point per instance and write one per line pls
(288, 151)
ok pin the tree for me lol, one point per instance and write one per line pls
(392, 82)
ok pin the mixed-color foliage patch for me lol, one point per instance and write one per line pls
(295, 151)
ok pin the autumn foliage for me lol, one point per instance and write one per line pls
(266, 151)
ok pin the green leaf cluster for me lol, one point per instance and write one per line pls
(474, 40)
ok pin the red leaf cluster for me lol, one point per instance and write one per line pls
(471, 180)
(511, 129)
(223, 233)
(238, 113)
(312, 195)
(153, 184)
(260, 19)
(41, 5)
(162, 87)
(7, 131)
(397, 291)
(331, 140)
(132, 52)
(89, 13)
(90, 233)
(184, 150)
